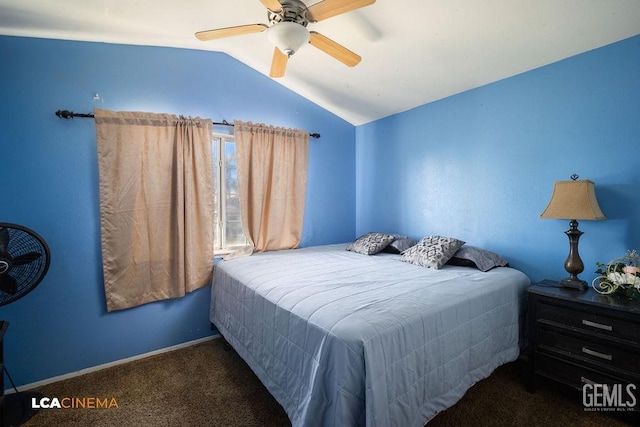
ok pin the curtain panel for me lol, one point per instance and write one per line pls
(272, 179)
(156, 205)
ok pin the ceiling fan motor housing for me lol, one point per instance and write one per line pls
(292, 11)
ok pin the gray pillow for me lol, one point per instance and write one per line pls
(432, 251)
(371, 243)
(482, 259)
(400, 244)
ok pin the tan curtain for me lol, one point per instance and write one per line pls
(272, 179)
(156, 205)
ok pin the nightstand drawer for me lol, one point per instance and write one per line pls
(610, 326)
(571, 374)
(580, 338)
(582, 346)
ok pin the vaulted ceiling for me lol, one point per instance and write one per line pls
(413, 51)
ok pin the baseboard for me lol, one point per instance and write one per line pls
(110, 364)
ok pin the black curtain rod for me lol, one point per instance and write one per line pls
(66, 114)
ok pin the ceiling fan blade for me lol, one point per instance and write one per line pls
(278, 63)
(328, 8)
(334, 49)
(8, 284)
(272, 5)
(26, 258)
(230, 31)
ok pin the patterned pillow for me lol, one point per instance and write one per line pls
(371, 243)
(482, 259)
(432, 251)
(400, 244)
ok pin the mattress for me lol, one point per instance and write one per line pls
(343, 339)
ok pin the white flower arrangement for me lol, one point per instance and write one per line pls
(621, 275)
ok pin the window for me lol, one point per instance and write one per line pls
(228, 234)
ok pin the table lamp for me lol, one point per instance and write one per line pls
(573, 200)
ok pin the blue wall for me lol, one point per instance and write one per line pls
(480, 166)
(48, 170)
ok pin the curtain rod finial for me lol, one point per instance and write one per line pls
(64, 114)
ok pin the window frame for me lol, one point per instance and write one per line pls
(220, 181)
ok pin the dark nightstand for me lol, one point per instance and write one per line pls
(582, 337)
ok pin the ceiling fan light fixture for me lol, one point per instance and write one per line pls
(288, 36)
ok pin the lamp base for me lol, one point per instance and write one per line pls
(572, 283)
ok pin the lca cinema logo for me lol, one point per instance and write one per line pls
(74, 403)
(612, 397)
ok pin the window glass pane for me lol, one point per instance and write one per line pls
(217, 238)
(230, 154)
(235, 235)
(216, 151)
(233, 208)
(231, 178)
(228, 233)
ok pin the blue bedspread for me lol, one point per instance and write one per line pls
(343, 339)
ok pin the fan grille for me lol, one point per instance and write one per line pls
(23, 242)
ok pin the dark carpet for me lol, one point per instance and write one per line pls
(208, 384)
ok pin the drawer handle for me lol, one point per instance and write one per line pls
(597, 325)
(596, 354)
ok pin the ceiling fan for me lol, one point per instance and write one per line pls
(287, 29)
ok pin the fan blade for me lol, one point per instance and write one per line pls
(334, 49)
(230, 31)
(328, 8)
(8, 284)
(26, 258)
(4, 241)
(272, 5)
(278, 63)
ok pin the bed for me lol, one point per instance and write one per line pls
(345, 339)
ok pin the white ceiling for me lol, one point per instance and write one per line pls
(414, 51)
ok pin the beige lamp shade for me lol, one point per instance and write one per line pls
(573, 200)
